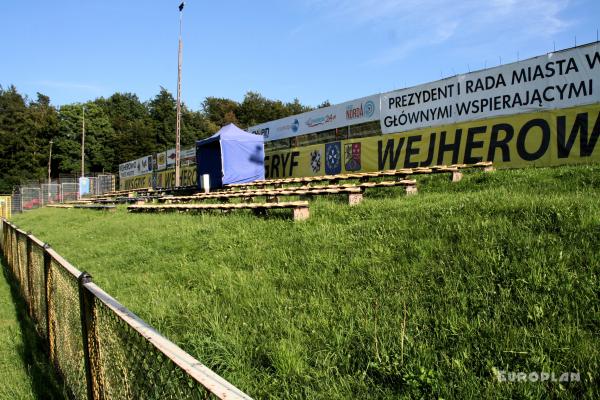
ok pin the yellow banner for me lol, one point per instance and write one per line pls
(164, 179)
(5, 206)
(544, 138)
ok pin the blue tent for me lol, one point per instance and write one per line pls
(231, 156)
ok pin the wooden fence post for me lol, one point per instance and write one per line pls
(29, 267)
(90, 338)
(17, 260)
(49, 295)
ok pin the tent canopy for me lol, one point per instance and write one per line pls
(231, 156)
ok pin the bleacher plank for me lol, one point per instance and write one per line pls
(300, 210)
(354, 192)
(401, 174)
(84, 206)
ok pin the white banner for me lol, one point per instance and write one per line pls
(344, 114)
(170, 157)
(188, 155)
(136, 167)
(556, 80)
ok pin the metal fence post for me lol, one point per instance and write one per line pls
(49, 304)
(89, 336)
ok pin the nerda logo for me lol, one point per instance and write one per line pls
(363, 110)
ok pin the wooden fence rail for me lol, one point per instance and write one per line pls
(100, 349)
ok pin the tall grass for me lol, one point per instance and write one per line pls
(24, 371)
(399, 297)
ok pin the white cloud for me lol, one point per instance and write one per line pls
(419, 24)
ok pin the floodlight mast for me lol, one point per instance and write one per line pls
(178, 128)
(83, 144)
(49, 169)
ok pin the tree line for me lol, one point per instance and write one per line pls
(117, 129)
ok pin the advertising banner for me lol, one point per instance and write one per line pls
(349, 113)
(84, 186)
(164, 179)
(556, 80)
(545, 138)
(170, 157)
(136, 167)
(161, 161)
(188, 156)
(5, 206)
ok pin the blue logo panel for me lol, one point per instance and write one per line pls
(333, 158)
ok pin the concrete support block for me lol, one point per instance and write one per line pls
(457, 176)
(301, 213)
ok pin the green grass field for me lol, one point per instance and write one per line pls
(419, 297)
(24, 371)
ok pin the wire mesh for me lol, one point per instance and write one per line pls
(124, 362)
(16, 205)
(30, 198)
(65, 317)
(51, 193)
(21, 244)
(38, 289)
(105, 184)
(69, 191)
(131, 367)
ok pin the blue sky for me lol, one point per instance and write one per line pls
(313, 50)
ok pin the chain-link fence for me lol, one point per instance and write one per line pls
(101, 349)
(51, 193)
(105, 184)
(16, 205)
(70, 191)
(31, 197)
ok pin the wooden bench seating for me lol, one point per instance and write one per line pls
(299, 209)
(400, 174)
(85, 206)
(354, 195)
(119, 200)
(354, 192)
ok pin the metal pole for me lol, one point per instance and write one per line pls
(49, 169)
(178, 130)
(83, 144)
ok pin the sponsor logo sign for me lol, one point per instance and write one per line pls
(360, 110)
(136, 167)
(332, 117)
(352, 156)
(161, 161)
(170, 157)
(556, 80)
(333, 158)
(315, 161)
(322, 120)
(542, 138)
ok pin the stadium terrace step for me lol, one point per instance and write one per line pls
(354, 192)
(366, 176)
(300, 210)
(85, 206)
